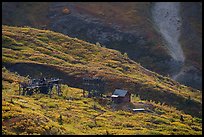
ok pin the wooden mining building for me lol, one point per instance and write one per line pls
(120, 96)
(42, 85)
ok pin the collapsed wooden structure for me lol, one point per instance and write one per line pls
(95, 86)
(42, 85)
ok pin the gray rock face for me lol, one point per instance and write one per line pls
(167, 18)
(168, 21)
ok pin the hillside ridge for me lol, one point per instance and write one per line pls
(77, 59)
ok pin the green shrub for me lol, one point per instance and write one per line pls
(60, 120)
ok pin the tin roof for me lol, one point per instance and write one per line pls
(114, 96)
(138, 109)
(119, 92)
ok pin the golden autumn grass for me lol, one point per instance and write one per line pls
(78, 58)
(39, 114)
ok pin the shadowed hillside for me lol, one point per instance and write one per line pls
(58, 55)
(127, 27)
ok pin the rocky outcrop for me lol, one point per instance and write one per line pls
(171, 22)
(168, 21)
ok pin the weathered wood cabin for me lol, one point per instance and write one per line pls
(120, 96)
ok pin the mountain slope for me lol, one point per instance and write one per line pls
(127, 27)
(33, 52)
(54, 54)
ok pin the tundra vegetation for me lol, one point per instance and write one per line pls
(55, 54)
